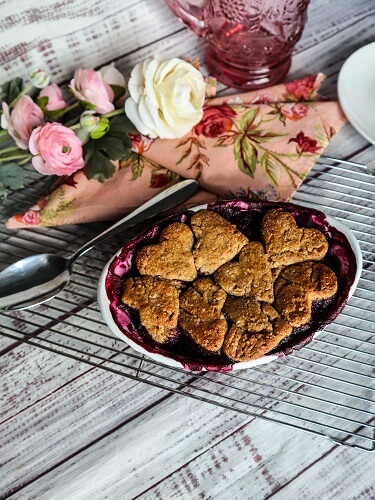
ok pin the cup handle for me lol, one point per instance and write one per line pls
(191, 13)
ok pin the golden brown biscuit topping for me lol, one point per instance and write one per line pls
(256, 329)
(298, 285)
(218, 241)
(172, 257)
(157, 303)
(201, 314)
(287, 244)
(230, 311)
(251, 276)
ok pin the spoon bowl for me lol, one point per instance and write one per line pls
(33, 280)
(38, 278)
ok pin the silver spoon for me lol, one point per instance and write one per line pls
(38, 278)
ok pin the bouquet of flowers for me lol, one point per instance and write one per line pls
(115, 143)
(163, 98)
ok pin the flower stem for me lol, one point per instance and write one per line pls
(27, 159)
(75, 105)
(114, 113)
(9, 150)
(22, 93)
(15, 157)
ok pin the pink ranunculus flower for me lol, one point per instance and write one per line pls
(89, 87)
(294, 111)
(56, 149)
(55, 98)
(20, 122)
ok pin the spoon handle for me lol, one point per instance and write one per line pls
(163, 201)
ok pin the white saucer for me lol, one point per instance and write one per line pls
(356, 90)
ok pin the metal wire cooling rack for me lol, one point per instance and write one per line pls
(325, 389)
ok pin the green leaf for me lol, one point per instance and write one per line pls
(3, 191)
(321, 134)
(42, 102)
(12, 89)
(247, 119)
(112, 146)
(121, 123)
(271, 167)
(97, 166)
(258, 135)
(136, 163)
(246, 156)
(118, 91)
(11, 176)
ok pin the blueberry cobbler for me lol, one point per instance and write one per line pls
(231, 283)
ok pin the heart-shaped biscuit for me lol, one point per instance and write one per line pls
(286, 243)
(172, 257)
(201, 314)
(157, 303)
(250, 276)
(256, 329)
(298, 285)
(218, 241)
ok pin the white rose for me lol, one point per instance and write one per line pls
(112, 76)
(166, 97)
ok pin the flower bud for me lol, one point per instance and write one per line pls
(101, 128)
(88, 120)
(97, 126)
(115, 80)
(39, 78)
(112, 76)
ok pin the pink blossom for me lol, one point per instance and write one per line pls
(264, 98)
(57, 150)
(294, 111)
(55, 98)
(20, 122)
(31, 217)
(305, 144)
(302, 90)
(89, 87)
(140, 143)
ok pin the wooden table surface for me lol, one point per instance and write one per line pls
(71, 430)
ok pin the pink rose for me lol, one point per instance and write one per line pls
(89, 87)
(294, 111)
(55, 98)
(303, 89)
(216, 120)
(57, 150)
(20, 122)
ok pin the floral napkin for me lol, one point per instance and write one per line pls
(259, 144)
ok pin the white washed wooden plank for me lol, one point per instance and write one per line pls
(323, 47)
(341, 473)
(261, 461)
(63, 36)
(71, 416)
(188, 451)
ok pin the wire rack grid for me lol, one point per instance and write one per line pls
(326, 389)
